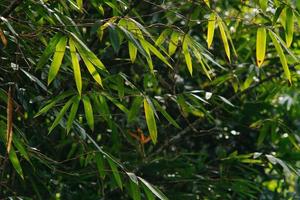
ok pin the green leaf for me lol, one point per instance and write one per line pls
(281, 56)
(53, 101)
(203, 64)
(263, 4)
(116, 173)
(153, 189)
(73, 112)
(134, 110)
(162, 37)
(261, 38)
(57, 58)
(88, 109)
(76, 67)
(277, 14)
(15, 162)
(155, 52)
(150, 119)
(114, 37)
(20, 147)
(61, 114)
(49, 50)
(131, 38)
(211, 29)
(174, 41)
(165, 114)
(100, 165)
(135, 190)
(187, 55)
(117, 103)
(289, 27)
(92, 70)
(132, 51)
(224, 37)
(79, 4)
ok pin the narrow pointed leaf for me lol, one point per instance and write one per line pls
(153, 189)
(134, 110)
(116, 173)
(289, 32)
(224, 38)
(281, 56)
(60, 115)
(187, 55)
(76, 67)
(173, 44)
(100, 164)
(132, 51)
(73, 112)
(88, 112)
(211, 29)
(48, 51)
(57, 58)
(261, 38)
(162, 37)
(15, 162)
(263, 4)
(150, 119)
(165, 114)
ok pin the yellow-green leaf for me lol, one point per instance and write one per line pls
(187, 54)
(162, 37)
(224, 38)
(57, 58)
(88, 109)
(261, 38)
(73, 112)
(15, 162)
(289, 27)
(150, 119)
(263, 4)
(61, 114)
(76, 67)
(116, 173)
(132, 51)
(207, 3)
(281, 56)
(173, 44)
(211, 29)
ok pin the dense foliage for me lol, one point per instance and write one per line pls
(162, 99)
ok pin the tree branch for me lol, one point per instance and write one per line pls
(11, 8)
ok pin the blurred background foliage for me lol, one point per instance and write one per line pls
(161, 99)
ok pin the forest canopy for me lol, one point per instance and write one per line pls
(161, 99)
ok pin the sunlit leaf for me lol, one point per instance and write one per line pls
(261, 38)
(224, 37)
(211, 29)
(57, 58)
(281, 56)
(150, 119)
(289, 27)
(75, 64)
(88, 110)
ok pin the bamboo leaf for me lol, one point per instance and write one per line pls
(114, 37)
(261, 38)
(15, 162)
(289, 27)
(132, 51)
(100, 165)
(165, 114)
(150, 119)
(73, 112)
(224, 38)
(263, 4)
(76, 67)
(153, 189)
(116, 173)
(281, 56)
(211, 29)
(187, 55)
(174, 41)
(60, 115)
(88, 112)
(134, 110)
(49, 50)
(135, 190)
(57, 58)
(162, 37)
